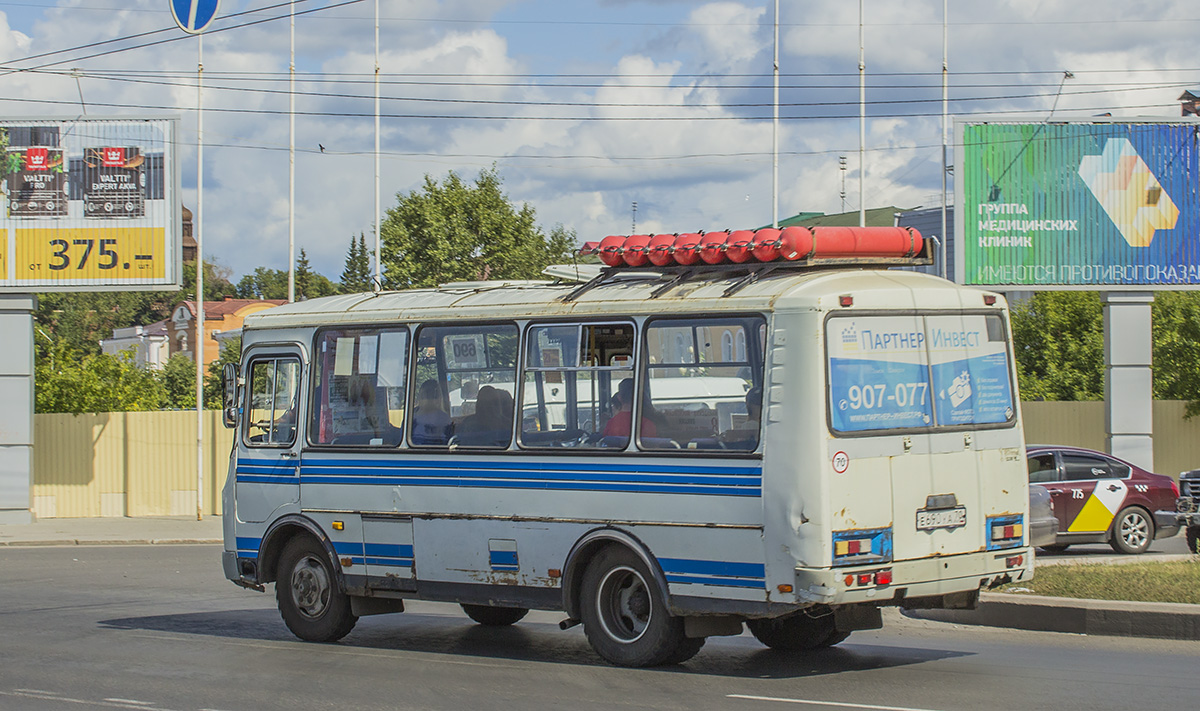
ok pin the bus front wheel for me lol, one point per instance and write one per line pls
(625, 616)
(306, 589)
(798, 632)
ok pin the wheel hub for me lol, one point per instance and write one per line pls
(310, 587)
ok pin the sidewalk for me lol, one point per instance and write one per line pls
(112, 531)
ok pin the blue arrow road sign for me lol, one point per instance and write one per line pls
(194, 16)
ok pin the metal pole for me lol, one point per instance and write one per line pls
(378, 283)
(942, 266)
(775, 131)
(292, 161)
(862, 119)
(198, 225)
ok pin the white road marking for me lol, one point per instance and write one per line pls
(814, 702)
(111, 703)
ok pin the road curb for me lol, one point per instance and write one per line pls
(113, 542)
(1158, 620)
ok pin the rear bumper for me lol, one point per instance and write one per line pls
(1043, 532)
(1167, 523)
(923, 578)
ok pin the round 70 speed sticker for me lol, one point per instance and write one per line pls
(841, 462)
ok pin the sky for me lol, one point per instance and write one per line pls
(585, 107)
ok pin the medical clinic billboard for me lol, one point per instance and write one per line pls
(1103, 203)
(89, 205)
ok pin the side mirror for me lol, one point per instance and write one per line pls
(229, 395)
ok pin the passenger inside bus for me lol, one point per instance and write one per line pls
(744, 435)
(619, 424)
(491, 425)
(431, 423)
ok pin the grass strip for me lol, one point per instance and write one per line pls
(1176, 581)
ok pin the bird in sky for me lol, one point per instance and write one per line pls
(321, 147)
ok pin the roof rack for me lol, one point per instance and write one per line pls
(751, 255)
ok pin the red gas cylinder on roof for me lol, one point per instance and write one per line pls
(795, 243)
(738, 246)
(660, 249)
(610, 250)
(712, 247)
(686, 248)
(635, 250)
(765, 245)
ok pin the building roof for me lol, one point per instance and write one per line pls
(876, 217)
(221, 309)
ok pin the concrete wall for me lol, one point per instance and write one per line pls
(144, 463)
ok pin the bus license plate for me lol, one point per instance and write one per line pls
(941, 518)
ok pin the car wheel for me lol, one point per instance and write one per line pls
(494, 616)
(798, 632)
(310, 602)
(1056, 547)
(1193, 539)
(1133, 530)
(625, 616)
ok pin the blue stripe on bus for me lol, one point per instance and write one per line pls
(390, 562)
(247, 547)
(723, 582)
(547, 485)
(405, 463)
(538, 474)
(503, 560)
(389, 550)
(713, 567)
(348, 548)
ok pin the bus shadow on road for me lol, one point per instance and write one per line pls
(536, 642)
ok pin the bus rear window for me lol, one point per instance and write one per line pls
(902, 372)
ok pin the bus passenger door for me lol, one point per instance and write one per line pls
(268, 466)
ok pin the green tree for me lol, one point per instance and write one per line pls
(214, 382)
(1059, 341)
(263, 283)
(452, 231)
(179, 382)
(309, 284)
(68, 380)
(356, 276)
(1176, 328)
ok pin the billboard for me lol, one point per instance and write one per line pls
(1102, 203)
(89, 205)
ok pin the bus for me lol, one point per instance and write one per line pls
(662, 454)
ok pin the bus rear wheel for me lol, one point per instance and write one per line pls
(798, 632)
(625, 616)
(494, 616)
(306, 590)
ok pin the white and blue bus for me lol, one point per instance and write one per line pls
(662, 458)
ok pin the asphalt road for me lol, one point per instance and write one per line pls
(158, 628)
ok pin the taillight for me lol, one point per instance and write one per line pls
(1174, 488)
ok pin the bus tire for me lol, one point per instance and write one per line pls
(312, 605)
(797, 632)
(494, 616)
(625, 616)
(1193, 539)
(1133, 530)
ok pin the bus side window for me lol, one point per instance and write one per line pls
(704, 384)
(359, 387)
(578, 386)
(274, 395)
(466, 378)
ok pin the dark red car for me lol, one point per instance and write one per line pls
(1101, 499)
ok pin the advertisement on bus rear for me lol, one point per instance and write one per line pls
(1103, 203)
(917, 372)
